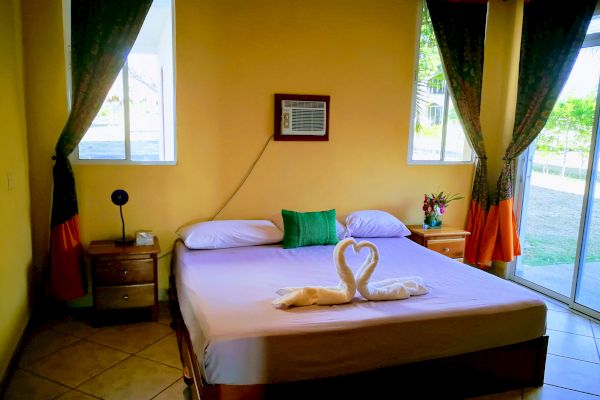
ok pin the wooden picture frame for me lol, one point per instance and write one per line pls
(282, 136)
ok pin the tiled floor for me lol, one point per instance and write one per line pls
(70, 360)
(573, 362)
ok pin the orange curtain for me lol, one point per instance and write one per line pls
(103, 33)
(459, 28)
(553, 33)
(477, 212)
(66, 251)
(500, 238)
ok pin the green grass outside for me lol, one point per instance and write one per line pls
(552, 228)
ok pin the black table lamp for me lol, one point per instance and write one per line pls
(120, 198)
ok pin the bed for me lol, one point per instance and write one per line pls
(473, 333)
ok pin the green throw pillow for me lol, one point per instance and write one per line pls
(308, 229)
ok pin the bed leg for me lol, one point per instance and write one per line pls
(541, 362)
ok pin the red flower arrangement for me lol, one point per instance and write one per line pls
(434, 207)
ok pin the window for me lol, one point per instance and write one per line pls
(437, 136)
(435, 114)
(136, 122)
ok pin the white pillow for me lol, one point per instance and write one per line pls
(229, 233)
(374, 223)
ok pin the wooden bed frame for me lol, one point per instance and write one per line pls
(482, 372)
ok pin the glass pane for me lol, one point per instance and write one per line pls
(588, 291)
(105, 140)
(151, 92)
(457, 148)
(594, 25)
(557, 183)
(145, 119)
(431, 88)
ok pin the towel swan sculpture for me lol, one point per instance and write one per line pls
(320, 295)
(387, 289)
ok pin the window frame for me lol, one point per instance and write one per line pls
(413, 109)
(74, 156)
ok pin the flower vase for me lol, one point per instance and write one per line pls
(433, 219)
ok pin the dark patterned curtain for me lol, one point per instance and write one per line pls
(103, 33)
(553, 32)
(460, 32)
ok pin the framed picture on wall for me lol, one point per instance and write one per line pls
(301, 117)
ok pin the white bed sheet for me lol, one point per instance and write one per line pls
(240, 338)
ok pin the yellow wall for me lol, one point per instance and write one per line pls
(232, 56)
(500, 77)
(15, 229)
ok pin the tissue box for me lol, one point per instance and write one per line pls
(144, 238)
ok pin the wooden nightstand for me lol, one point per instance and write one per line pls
(446, 240)
(124, 277)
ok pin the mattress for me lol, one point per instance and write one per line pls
(240, 338)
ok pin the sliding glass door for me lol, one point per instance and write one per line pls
(587, 289)
(559, 198)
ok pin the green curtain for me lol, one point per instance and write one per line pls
(460, 32)
(553, 32)
(102, 34)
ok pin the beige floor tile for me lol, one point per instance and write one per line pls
(578, 375)
(556, 307)
(134, 378)
(27, 386)
(571, 345)
(42, 343)
(569, 322)
(173, 392)
(75, 395)
(510, 395)
(132, 337)
(164, 315)
(77, 363)
(165, 351)
(549, 392)
(80, 329)
(549, 299)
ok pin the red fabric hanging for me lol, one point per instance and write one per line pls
(66, 257)
(475, 224)
(500, 238)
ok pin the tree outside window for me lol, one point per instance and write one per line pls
(437, 134)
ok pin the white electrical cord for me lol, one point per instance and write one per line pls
(241, 184)
(237, 189)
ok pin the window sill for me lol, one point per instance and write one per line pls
(434, 162)
(120, 162)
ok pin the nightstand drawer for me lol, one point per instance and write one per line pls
(133, 296)
(119, 272)
(454, 248)
(124, 278)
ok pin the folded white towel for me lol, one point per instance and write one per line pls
(387, 289)
(340, 294)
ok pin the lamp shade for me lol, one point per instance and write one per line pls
(119, 197)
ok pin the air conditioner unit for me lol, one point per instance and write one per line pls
(300, 117)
